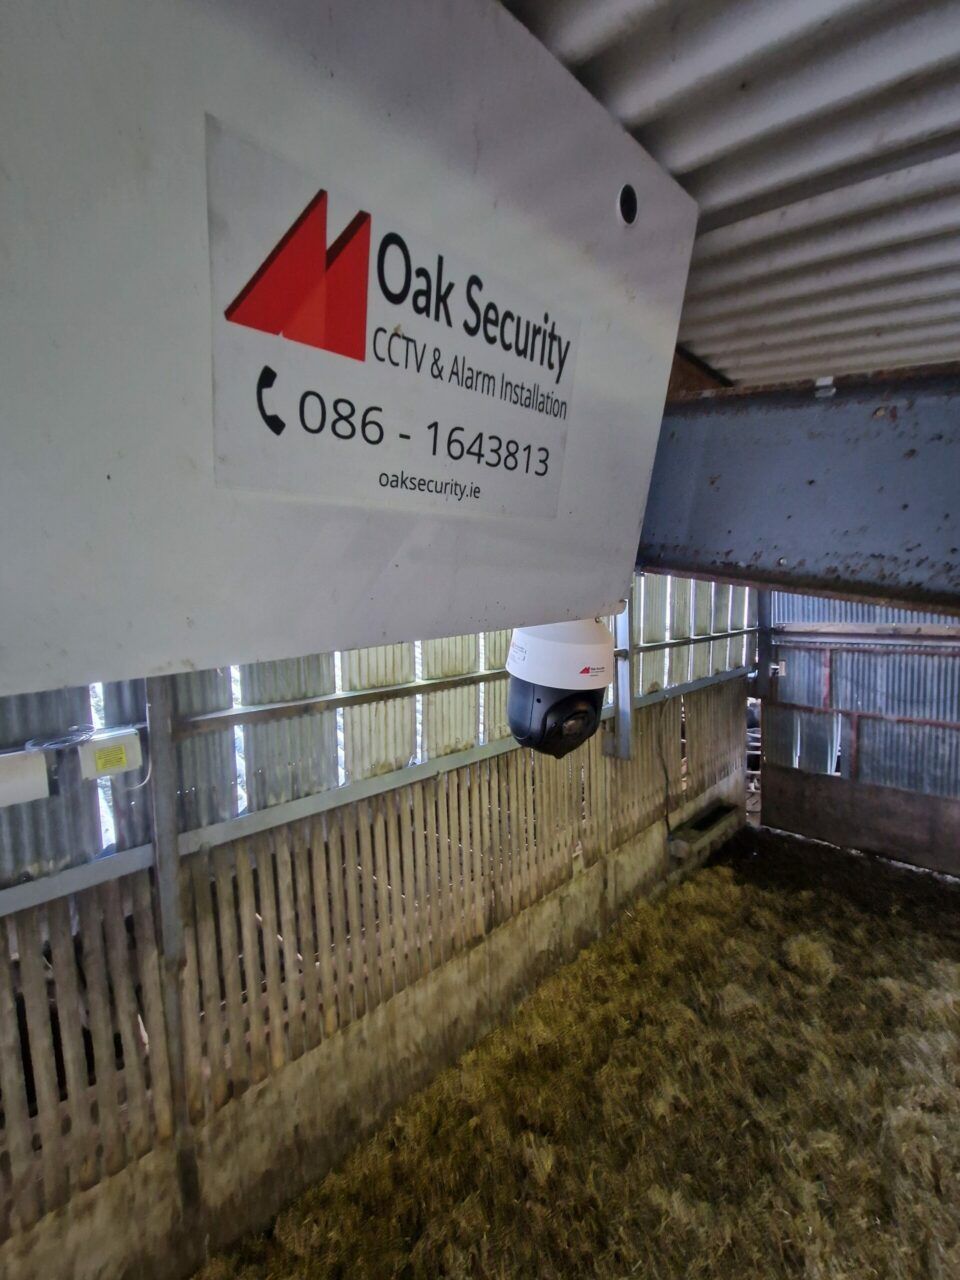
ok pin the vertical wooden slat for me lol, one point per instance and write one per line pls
(531, 832)
(552, 814)
(266, 881)
(310, 948)
(376, 907)
(528, 768)
(324, 970)
(24, 1189)
(37, 1009)
(439, 942)
(190, 1004)
(352, 873)
(547, 819)
(508, 859)
(282, 837)
(552, 823)
(563, 782)
(487, 855)
(83, 1140)
(230, 947)
(544, 817)
(476, 852)
(455, 830)
(570, 785)
(518, 800)
(121, 966)
(385, 887)
(448, 921)
(537, 765)
(585, 802)
(212, 1019)
(412, 891)
(334, 843)
(604, 842)
(498, 844)
(465, 789)
(563, 775)
(517, 808)
(513, 807)
(397, 932)
(101, 1032)
(148, 961)
(425, 882)
(253, 979)
(462, 777)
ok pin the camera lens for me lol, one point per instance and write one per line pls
(575, 725)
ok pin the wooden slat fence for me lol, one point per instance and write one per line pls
(84, 1075)
(294, 933)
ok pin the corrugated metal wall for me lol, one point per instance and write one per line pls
(450, 717)
(822, 142)
(296, 756)
(64, 829)
(872, 707)
(125, 702)
(257, 765)
(207, 764)
(799, 608)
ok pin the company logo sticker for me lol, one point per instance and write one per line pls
(309, 293)
(457, 385)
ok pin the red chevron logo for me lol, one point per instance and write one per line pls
(309, 293)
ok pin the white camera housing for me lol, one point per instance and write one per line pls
(563, 655)
(558, 675)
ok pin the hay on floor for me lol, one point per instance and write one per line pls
(758, 1076)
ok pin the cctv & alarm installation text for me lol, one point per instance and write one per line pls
(430, 296)
(367, 367)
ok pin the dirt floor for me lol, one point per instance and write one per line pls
(757, 1076)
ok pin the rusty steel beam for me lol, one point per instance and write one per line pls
(846, 489)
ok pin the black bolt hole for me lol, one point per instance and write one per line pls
(628, 204)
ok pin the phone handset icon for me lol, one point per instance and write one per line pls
(266, 380)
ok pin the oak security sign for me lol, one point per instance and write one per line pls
(430, 296)
(373, 367)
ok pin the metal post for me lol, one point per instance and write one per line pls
(764, 643)
(618, 740)
(163, 798)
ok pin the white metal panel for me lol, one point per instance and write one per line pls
(121, 556)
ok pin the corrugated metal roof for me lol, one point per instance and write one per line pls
(822, 142)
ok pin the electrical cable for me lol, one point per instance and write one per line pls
(74, 737)
(664, 766)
